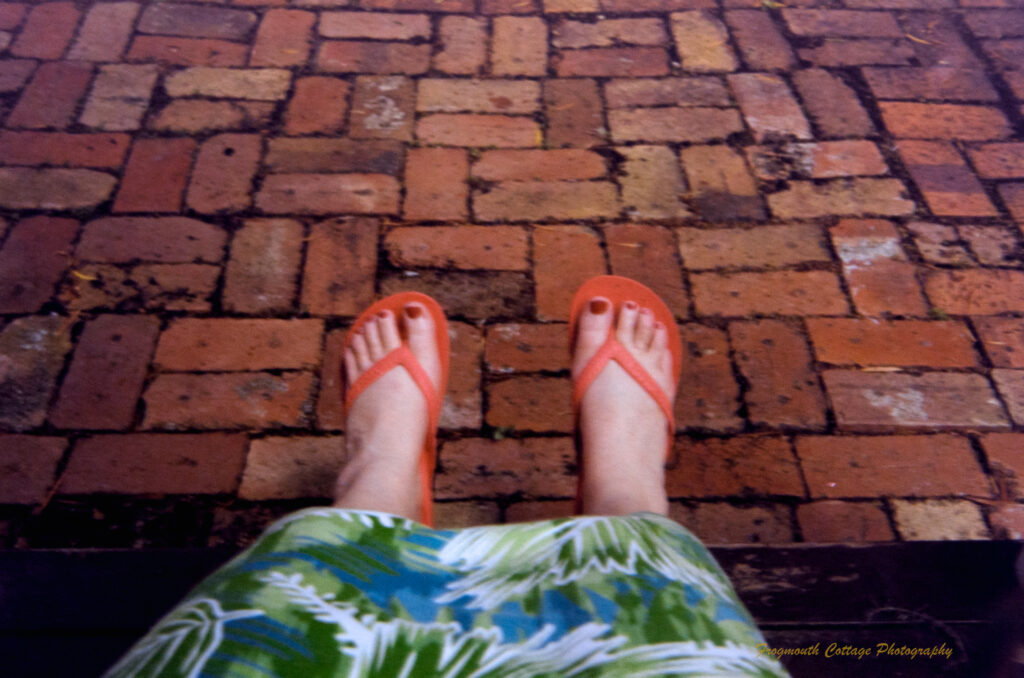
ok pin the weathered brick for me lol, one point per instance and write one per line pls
(564, 258)
(702, 42)
(155, 177)
(363, 56)
(741, 466)
(455, 6)
(62, 149)
(452, 95)
(519, 46)
(721, 186)
(318, 105)
(119, 97)
(191, 116)
(574, 115)
(769, 107)
(613, 62)
(532, 467)
(608, 33)
(156, 463)
(167, 240)
(1008, 522)
(995, 23)
(1004, 54)
(14, 73)
(502, 248)
(538, 165)
(939, 519)
(170, 287)
(383, 107)
(292, 468)
(939, 244)
(936, 82)
(853, 341)
(328, 194)
(32, 262)
(47, 31)
(543, 200)
(673, 124)
(832, 104)
(1003, 339)
(531, 403)
(944, 121)
(783, 292)
(262, 272)
(877, 273)
(316, 154)
(761, 45)
(436, 181)
(58, 189)
(188, 51)
(1010, 384)
(633, 6)
(652, 183)
(109, 365)
(645, 253)
(694, 91)
(722, 523)
(830, 521)
(463, 403)
(11, 14)
(710, 400)
(261, 84)
(821, 160)
(1013, 196)
(848, 197)
(33, 348)
(999, 161)
(50, 99)
(842, 23)
(976, 291)
(491, 7)
(463, 45)
(520, 347)
(758, 247)
(30, 467)
(284, 38)
(197, 21)
(940, 41)
(476, 294)
(775, 359)
(877, 401)
(224, 171)
(457, 514)
(245, 400)
(839, 53)
(239, 345)
(1002, 450)
(330, 403)
(375, 25)
(105, 32)
(341, 260)
(992, 245)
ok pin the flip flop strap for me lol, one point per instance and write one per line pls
(613, 350)
(401, 356)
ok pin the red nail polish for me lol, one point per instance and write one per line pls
(382, 314)
(598, 306)
(413, 311)
(631, 305)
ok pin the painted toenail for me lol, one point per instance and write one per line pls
(413, 311)
(598, 306)
(645, 311)
(383, 314)
(631, 305)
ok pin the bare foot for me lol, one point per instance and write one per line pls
(622, 429)
(387, 424)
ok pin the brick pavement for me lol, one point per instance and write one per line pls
(196, 199)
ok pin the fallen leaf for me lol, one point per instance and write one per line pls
(83, 276)
(917, 39)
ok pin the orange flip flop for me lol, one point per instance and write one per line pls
(404, 357)
(619, 290)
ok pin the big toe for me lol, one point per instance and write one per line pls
(592, 330)
(420, 333)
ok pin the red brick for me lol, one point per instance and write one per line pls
(538, 165)
(1008, 522)
(532, 467)
(119, 97)
(821, 160)
(942, 44)
(1013, 196)
(976, 291)
(842, 23)
(633, 6)
(943, 177)
(168, 240)
(877, 273)
(613, 62)
(155, 463)
(292, 468)
(262, 273)
(436, 184)
(944, 121)
(826, 522)
(154, 179)
(573, 110)
(645, 253)
(769, 107)
(318, 105)
(283, 39)
(316, 154)
(693, 91)
(673, 124)
(452, 95)
(702, 42)
(564, 258)
(531, 403)
(238, 345)
(47, 31)
(995, 23)
(51, 97)
(848, 197)
(33, 260)
(478, 130)
(519, 347)
(1005, 460)
(374, 25)
(519, 46)
(721, 186)
(477, 294)
(758, 247)
(896, 4)
(939, 244)
(775, 359)
(832, 105)
(992, 245)
(936, 82)
(463, 404)
(836, 53)
(341, 260)
(852, 341)
(1003, 339)
(170, 287)
(546, 200)
(502, 248)
(328, 194)
(1004, 54)
(197, 21)
(999, 161)
(527, 511)
(330, 408)
(105, 32)
(761, 45)
(48, 189)
(355, 56)
(509, 7)
(187, 51)
(33, 348)
(383, 107)
(14, 73)
(1010, 384)
(63, 150)
(609, 33)
(740, 466)
(30, 467)
(226, 401)
(463, 45)
(723, 523)
(457, 6)
(652, 183)
(192, 116)
(710, 397)
(11, 14)
(263, 84)
(782, 292)
(878, 401)
(109, 365)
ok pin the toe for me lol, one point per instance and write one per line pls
(351, 367)
(626, 327)
(361, 351)
(644, 331)
(389, 335)
(419, 332)
(659, 344)
(371, 331)
(594, 324)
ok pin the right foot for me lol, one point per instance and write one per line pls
(624, 433)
